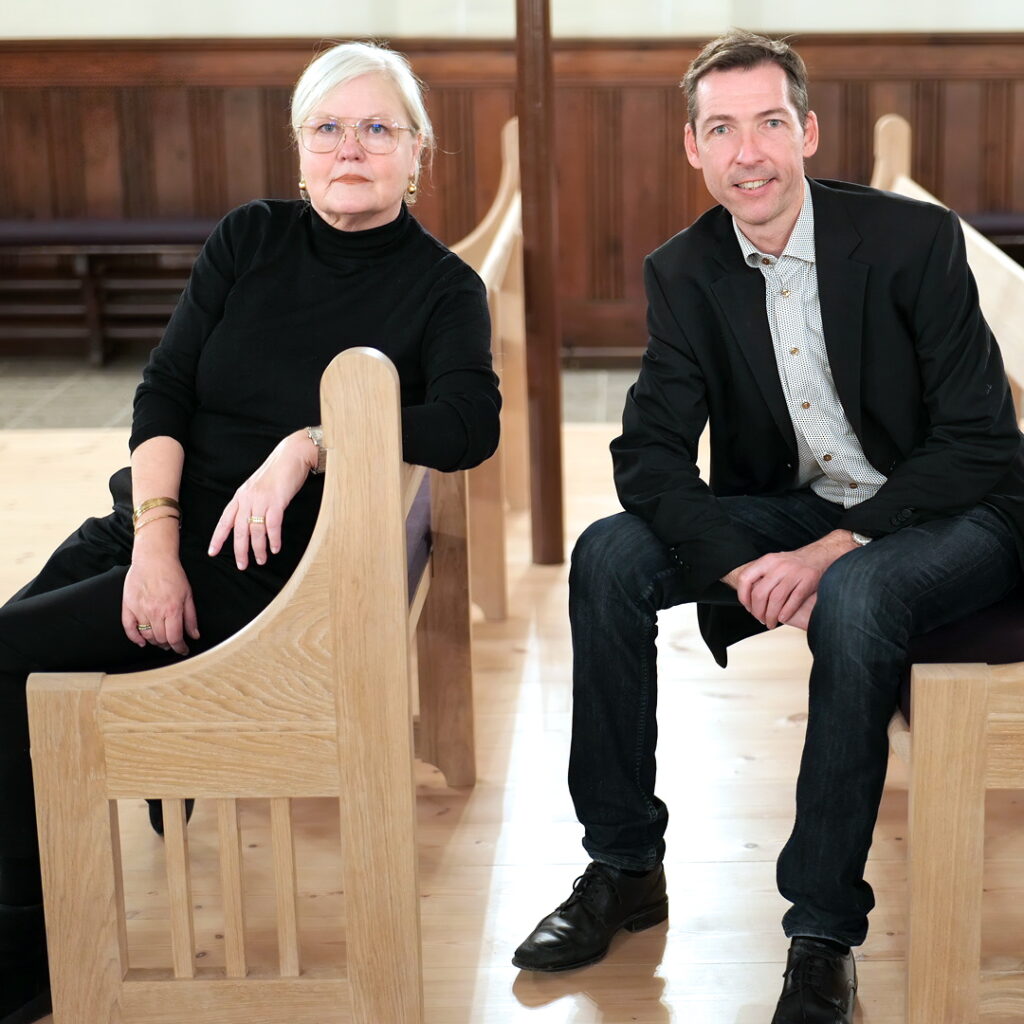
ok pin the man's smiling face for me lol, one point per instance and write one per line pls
(750, 145)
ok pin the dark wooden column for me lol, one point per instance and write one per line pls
(536, 109)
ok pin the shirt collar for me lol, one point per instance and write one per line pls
(801, 239)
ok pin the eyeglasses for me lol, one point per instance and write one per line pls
(324, 135)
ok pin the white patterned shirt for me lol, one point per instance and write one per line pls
(831, 460)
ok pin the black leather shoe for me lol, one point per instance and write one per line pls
(820, 985)
(579, 931)
(156, 816)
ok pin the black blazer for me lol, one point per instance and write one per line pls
(915, 365)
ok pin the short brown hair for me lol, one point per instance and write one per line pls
(745, 50)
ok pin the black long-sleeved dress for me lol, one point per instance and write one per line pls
(275, 294)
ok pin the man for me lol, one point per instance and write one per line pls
(866, 484)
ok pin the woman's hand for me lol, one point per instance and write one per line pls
(254, 515)
(157, 605)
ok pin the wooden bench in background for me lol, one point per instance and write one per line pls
(968, 717)
(92, 283)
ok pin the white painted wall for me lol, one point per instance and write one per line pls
(341, 19)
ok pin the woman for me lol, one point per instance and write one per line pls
(225, 451)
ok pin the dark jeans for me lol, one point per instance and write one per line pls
(870, 602)
(69, 619)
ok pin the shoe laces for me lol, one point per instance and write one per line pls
(812, 969)
(585, 886)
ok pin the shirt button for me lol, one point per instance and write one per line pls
(765, 262)
(853, 485)
(794, 351)
(826, 458)
(785, 293)
(805, 405)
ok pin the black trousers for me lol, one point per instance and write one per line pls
(69, 619)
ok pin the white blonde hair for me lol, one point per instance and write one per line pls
(346, 61)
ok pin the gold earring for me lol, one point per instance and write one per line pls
(302, 185)
(413, 187)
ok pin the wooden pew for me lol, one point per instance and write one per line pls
(494, 249)
(312, 699)
(968, 718)
(92, 282)
(1000, 279)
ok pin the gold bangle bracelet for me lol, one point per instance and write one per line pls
(154, 503)
(166, 515)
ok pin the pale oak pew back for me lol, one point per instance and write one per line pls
(968, 719)
(312, 699)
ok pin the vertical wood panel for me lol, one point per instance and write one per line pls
(685, 188)
(64, 128)
(856, 157)
(997, 129)
(27, 158)
(244, 150)
(136, 119)
(450, 214)
(280, 158)
(890, 97)
(179, 889)
(927, 139)
(572, 175)
(827, 103)
(491, 108)
(604, 191)
(101, 153)
(644, 146)
(173, 156)
(230, 849)
(209, 169)
(961, 147)
(1017, 169)
(283, 846)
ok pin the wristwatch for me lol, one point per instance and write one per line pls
(860, 539)
(316, 435)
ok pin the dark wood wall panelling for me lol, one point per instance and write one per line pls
(192, 128)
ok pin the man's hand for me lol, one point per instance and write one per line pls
(782, 586)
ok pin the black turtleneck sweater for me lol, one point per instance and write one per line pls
(274, 295)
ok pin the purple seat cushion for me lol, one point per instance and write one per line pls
(417, 534)
(992, 636)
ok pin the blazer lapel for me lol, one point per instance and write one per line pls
(740, 297)
(842, 283)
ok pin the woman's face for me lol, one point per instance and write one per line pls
(350, 188)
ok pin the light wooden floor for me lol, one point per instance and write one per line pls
(494, 859)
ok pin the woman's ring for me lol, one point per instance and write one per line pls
(257, 519)
(143, 626)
